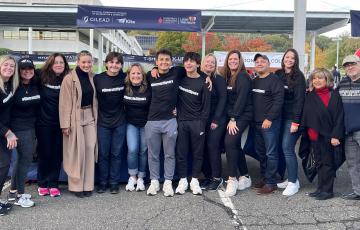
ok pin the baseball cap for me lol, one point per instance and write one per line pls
(350, 59)
(261, 55)
(26, 63)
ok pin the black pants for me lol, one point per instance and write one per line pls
(25, 150)
(191, 138)
(235, 156)
(324, 158)
(49, 155)
(5, 158)
(212, 154)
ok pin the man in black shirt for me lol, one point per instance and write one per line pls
(268, 98)
(161, 125)
(193, 111)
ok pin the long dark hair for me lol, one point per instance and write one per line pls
(231, 78)
(291, 77)
(128, 85)
(48, 75)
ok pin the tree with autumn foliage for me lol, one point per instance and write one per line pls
(194, 41)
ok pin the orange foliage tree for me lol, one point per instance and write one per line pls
(193, 42)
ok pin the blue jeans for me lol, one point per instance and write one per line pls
(288, 148)
(111, 143)
(137, 150)
(266, 146)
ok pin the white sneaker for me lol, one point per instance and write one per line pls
(24, 201)
(283, 184)
(231, 187)
(195, 186)
(244, 182)
(153, 188)
(167, 188)
(131, 184)
(182, 186)
(140, 184)
(291, 188)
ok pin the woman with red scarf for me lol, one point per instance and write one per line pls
(323, 118)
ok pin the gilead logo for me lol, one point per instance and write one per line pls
(92, 19)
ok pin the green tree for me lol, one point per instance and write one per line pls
(279, 42)
(172, 41)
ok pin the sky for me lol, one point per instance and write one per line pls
(286, 5)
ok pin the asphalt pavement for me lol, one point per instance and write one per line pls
(136, 210)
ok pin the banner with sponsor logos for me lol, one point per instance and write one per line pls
(70, 57)
(355, 23)
(138, 18)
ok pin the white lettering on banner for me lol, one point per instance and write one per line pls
(274, 57)
(53, 86)
(162, 83)
(6, 99)
(125, 21)
(117, 89)
(30, 98)
(189, 91)
(258, 90)
(135, 98)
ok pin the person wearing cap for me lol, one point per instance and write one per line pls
(8, 140)
(268, 99)
(295, 87)
(23, 119)
(349, 89)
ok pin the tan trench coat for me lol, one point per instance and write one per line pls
(69, 111)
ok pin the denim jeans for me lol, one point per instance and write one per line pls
(111, 143)
(288, 148)
(137, 150)
(266, 146)
(352, 153)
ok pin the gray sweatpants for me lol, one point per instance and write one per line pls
(352, 153)
(155, 132)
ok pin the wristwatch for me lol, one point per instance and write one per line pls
(232, 119)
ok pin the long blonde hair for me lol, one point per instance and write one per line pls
(144, 83)
(14, 79)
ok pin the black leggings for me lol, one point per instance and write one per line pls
(235, 156)
(212, 154)
(49, 156)
(5, 157)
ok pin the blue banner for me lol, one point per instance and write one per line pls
(355, 23)
(138, 18)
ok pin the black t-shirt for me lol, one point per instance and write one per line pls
(218, 100)
(194, 99)
(25, 108)
(164, 94)
(239, 98)
(110, 95)
(137, 106)
(268, 97)
(6, 100)
(294, 96)
(49, 103)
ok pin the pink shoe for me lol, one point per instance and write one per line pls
(43, 191)
(54, 192)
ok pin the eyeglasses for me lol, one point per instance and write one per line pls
(349, 64)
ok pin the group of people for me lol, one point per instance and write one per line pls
(77, 119)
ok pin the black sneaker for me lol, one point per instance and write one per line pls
(205, 183)
(114, 188)
(12, 196)
(324, 196)
(314, 194)
(87, 193)
(79, 194)
(5, 207)
(3, 210)
(101, 188)
(215, 184)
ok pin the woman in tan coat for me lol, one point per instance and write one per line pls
(78, 117)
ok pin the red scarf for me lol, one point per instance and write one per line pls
(324, 95)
